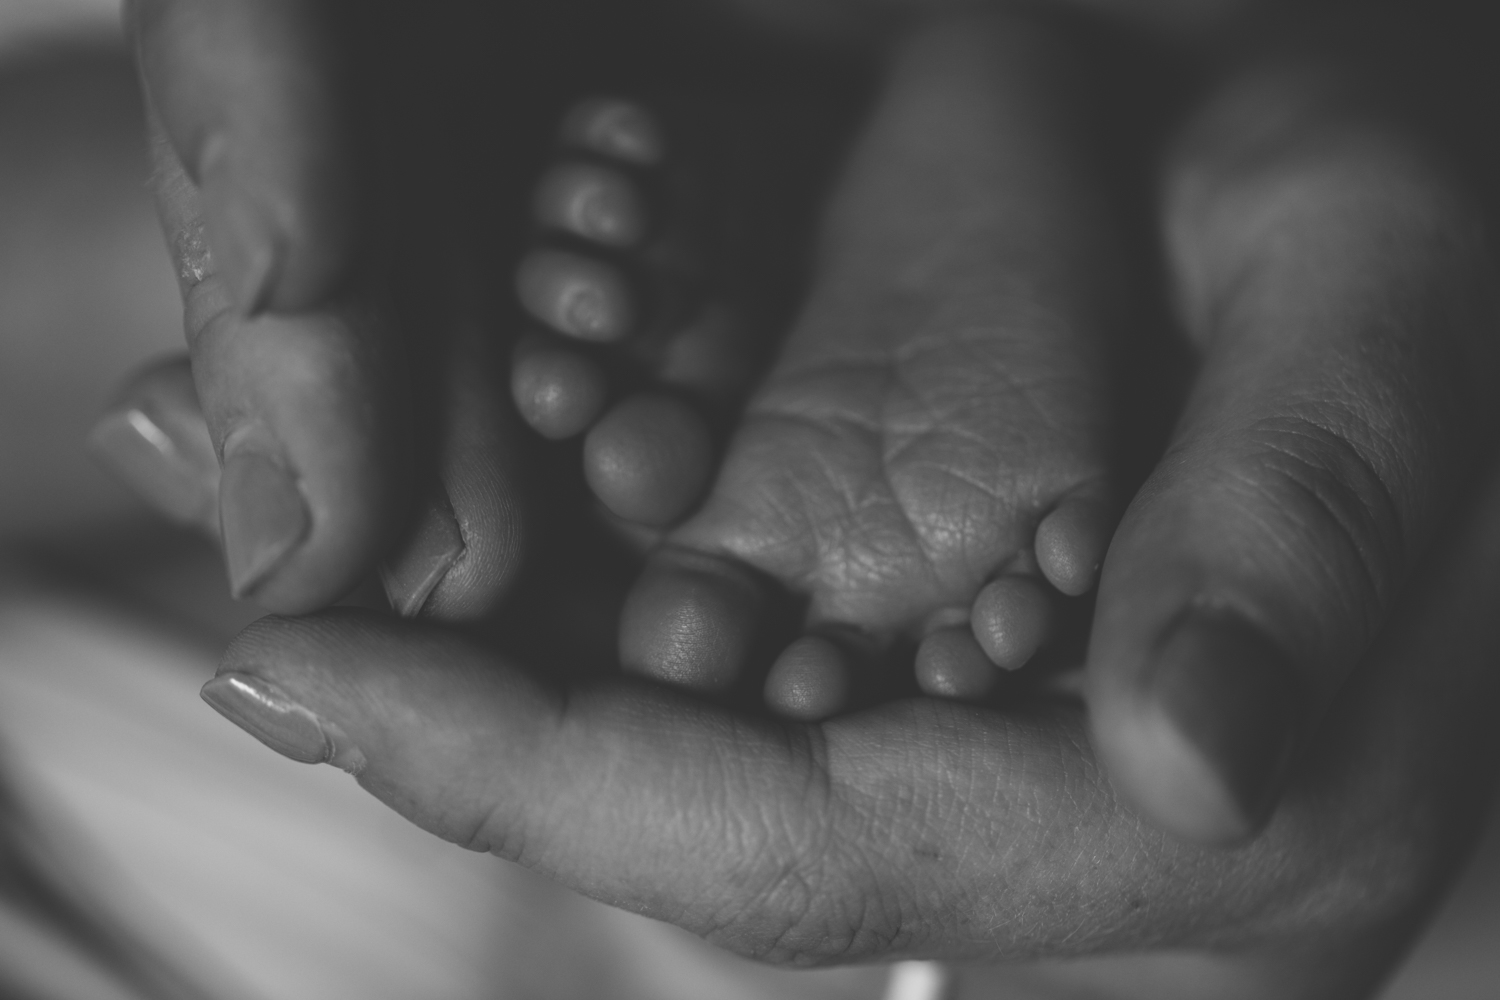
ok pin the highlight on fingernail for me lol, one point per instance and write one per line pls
(168, 463)
(268, 713)
(262, 514)
(421, 564)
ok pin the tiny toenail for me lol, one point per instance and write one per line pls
(592, 202)
(574, 295)
(616, 128)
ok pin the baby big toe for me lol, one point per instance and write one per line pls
(649, 458)
(690, 620)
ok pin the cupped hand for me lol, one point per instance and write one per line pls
(920, 828)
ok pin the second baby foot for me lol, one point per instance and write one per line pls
(651, 291)
(929, 457)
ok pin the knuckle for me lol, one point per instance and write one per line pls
(1333, 493)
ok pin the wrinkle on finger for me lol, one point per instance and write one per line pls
(252, 96)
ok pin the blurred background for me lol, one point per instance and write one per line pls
(147, 849)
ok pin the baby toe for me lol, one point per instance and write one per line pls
(558, 392)
(1011, 618)
(592, 202)
(690, 620)
(809, 681)
(649, 458)
(950, 664)
(1071, 542)
(576, 295)
(616, 128)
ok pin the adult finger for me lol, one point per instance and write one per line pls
(1336, 284)
(465, 542)
(249, 94)
(308, 414)
(921, 828)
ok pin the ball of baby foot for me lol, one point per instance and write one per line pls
(950, 664)
(649, 459)
(809, 680)
(558, 392)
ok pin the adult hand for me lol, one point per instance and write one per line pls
(928, 829)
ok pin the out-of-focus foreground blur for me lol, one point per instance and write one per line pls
(147, 848)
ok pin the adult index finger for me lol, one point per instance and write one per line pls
(251, 94)
(309, 415)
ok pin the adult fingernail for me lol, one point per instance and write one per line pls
(262, 514)
(423, 562)
(1232, 696)
(163, 461)
(245, 240)
(266, 712)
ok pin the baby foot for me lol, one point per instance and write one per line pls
(928, 458)
(646, 343)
